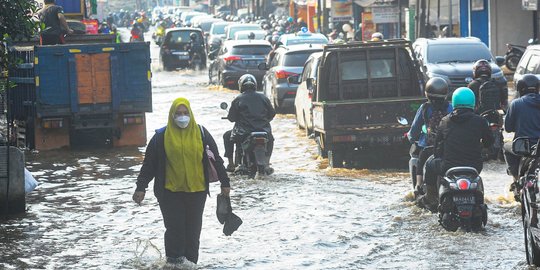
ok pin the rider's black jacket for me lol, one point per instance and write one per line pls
(460, 137)
(251, 111)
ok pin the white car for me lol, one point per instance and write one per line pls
(306, 93)
(233, 28)
(244, 34)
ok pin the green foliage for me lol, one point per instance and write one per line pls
(16, 23)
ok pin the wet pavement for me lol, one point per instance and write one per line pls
(305, 216)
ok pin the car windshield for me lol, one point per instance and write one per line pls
(218, 29)
(205, 25)
(251, 50)
(457, 53)
(296, 59)
(181, 36)
(233, 30)
(295, 41)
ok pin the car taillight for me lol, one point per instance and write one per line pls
(282, 74)
(230, 59)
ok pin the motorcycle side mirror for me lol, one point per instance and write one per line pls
(262, 66)
(521, 146)
(499, 60)
(402, 120)
(158, 43)
(224, 105)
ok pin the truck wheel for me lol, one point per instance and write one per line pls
(335, 159)
(321, 151)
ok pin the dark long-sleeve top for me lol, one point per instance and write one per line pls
(155, 162)
(523, 117)
(252, 111)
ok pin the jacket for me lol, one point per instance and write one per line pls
(460, 137)
(523, 117)
(416, 134)
(251, 111)
(155, 160)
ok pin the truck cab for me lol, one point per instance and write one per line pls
(363, 91)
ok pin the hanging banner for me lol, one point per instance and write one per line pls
(385, 14)
(342, 10)
(368, 28)
(531, 5)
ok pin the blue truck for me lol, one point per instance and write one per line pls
(75, 94)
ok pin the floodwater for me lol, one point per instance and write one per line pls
(304, 216)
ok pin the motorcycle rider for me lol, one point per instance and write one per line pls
(458, 142)
(489, 96)
(137, 30)
(251, 112)
(523, 118)
(425, 123)
(196, 46)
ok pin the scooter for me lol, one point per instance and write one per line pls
(136, 35)
(495, 122)
(529, 194)
(513, 55)
(461, 200)
(250, 155)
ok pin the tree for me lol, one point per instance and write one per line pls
(16, 23)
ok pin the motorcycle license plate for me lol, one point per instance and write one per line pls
(464, 199)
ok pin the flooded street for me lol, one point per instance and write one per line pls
(304, 216)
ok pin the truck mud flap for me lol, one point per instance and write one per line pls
(131, 130)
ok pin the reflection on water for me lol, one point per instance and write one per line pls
(305, 216)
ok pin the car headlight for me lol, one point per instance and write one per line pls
(446, 78)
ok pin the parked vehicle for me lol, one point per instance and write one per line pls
(250, 155)
(461, 200)
(529, 63)
(359, 91)
(287, 61)
(302, 38)
(75, 94)
(174, 52)
(230, 30)
(236, 58)
(529, 174)
(452, 59)
(513, 55)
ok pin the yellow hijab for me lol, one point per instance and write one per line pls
(184, 149)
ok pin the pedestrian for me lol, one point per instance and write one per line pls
(177, 161)
(55, 24)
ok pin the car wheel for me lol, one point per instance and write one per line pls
(275, 102)
(335, 158)
(221, 80)
(306, 126)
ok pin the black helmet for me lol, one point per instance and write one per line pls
(436, 89)
(481, 68)
(193, 36)
(527, 84)
(251, 35)
(247, 83)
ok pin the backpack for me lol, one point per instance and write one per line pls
(432, 121)
(489, 96)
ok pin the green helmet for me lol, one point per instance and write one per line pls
(463, 97)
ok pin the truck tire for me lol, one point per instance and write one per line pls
(335, 159)
(320, 148)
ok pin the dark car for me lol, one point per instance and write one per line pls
(452, 59)
(239, 57)
(287, 61)
(174, 51)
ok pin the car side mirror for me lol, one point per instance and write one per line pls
(206, 34)
(521, 146)
(293, 79)
(310, 85)
(262, 66)
(223, 105)
(499, 60)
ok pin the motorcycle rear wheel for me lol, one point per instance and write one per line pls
(532, 251)
(512, 61)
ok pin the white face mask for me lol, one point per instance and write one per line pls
(182, 121)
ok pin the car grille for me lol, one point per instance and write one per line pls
(456, 82)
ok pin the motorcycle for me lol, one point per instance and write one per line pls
(197, 62)
(136, 35)
(250, 155)
(461, 200)
(529, 194)
(513, 55)
(495, 122)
